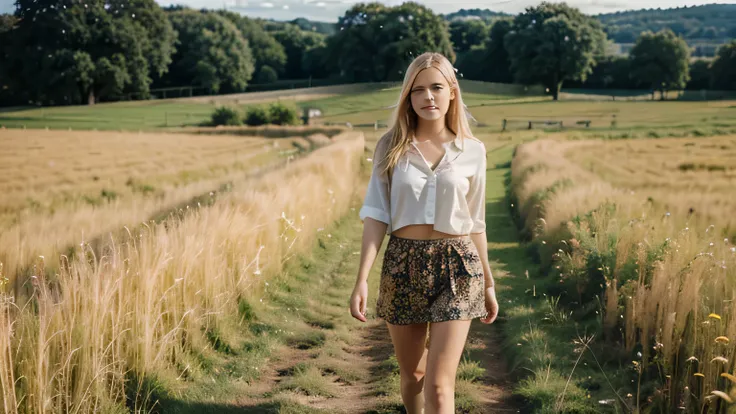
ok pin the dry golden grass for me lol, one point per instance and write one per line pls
(679, 175)
(63, 188)
(148, 300)
(669, 271)
(46, 169)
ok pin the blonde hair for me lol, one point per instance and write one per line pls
(392, 145)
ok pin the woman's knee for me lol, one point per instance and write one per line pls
(439, 394)
(414, 376)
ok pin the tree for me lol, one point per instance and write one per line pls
(490, 61)
(266, 50)
(661, 61)
(465, 34)
(211, 53)
(297, 43)
(71, 52)
(700, 76)
(551, 43)
(496, 62)
(724, 68)
(376, 43)
(7, 22)
(316, 62)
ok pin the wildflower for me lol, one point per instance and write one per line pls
(698, 374)
(692, 358)
(715, 316)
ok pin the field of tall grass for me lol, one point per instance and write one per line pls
(63, 188)
(640, 236)
(94, 331)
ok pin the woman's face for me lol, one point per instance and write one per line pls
(431, 95)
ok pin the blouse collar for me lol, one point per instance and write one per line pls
(457, 143)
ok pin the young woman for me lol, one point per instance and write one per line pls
(427, 191)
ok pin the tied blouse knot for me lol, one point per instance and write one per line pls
(451, 197)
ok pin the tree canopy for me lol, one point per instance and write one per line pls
(298, 44)
(465, 34)
(69, 52)
(551, 43)
(211, 53)
(387, 39)
(661, 60)
(268, 53)
(724, 68)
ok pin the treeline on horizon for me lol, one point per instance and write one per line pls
(710, 23)
(57, 52)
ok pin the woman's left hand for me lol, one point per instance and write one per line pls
(491, 305)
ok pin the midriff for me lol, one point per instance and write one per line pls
(422, 232)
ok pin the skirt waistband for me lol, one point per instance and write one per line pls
(448, 240)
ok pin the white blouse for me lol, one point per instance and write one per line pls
(452, 197)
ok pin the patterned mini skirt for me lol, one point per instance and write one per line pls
(430, 281)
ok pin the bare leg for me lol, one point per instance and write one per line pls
(446, 344)
(411, 353)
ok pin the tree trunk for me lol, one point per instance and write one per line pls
(91, 97)
(556, 84)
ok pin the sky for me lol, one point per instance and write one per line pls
(330, 10)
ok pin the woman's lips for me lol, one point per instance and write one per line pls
(430, 108)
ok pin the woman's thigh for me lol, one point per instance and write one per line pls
(409, 345)
(446, 345)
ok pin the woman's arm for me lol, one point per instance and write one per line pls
(373, 235)
(481, 243)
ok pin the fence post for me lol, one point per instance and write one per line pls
(530, 124)
(375, 125)
(504, 125)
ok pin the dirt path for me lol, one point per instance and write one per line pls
(323, 361)
(371, 384)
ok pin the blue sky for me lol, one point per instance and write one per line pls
(330, 10)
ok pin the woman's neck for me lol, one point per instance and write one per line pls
(431, 130)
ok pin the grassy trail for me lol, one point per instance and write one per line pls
(313, 357)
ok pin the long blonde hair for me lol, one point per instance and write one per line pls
(404, 120)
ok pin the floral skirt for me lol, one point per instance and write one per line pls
(430, 281)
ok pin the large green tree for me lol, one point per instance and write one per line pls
(465, 34)
(490, 61)
(298, 43)
(723, 70)
(376, 43)
(268, 53)
(211, 53)
(64, 52)
(700, 75)
(661, 61)
(551, 43)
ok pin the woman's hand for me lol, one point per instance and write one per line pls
(359, 301)
(491, 305)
